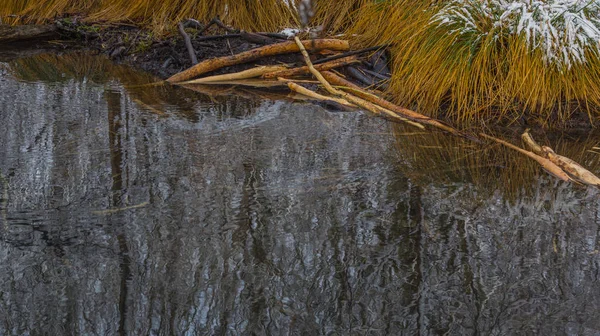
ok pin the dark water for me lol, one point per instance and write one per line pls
(132, 210)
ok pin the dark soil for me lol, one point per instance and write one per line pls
(167, 55)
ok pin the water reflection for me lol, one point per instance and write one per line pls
(232, 216)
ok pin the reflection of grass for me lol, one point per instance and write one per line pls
(143, 88)
(434, 158)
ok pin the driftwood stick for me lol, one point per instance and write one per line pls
(250, 73)
(545, 163)
(408, 114)
(352, 99)
(275, 35)
(574, 169)
(321, 67)
(302, 90)
(349, 53)
(254, 54)
(188, 43)
(528, 140)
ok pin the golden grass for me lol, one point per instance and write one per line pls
(337, 16)
(160, 15)
(473, 78)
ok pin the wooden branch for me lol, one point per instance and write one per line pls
(188, 43)
(352, 99)
(304, 70)
(302, 90)
(406, 113)
(254, 54)
(545, 163)
(528, 140)
(574, 169)
(216, 37)
(571, 167)
(250, 73)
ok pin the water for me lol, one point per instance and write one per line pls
(142, 210)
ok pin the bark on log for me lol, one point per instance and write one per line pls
(254, 54)
(10, 34)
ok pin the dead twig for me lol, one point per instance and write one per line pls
(188, 43)
(302, 90)
(406, 113)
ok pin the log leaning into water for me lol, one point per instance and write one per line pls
(254, 54)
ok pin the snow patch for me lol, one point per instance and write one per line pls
(564, 30)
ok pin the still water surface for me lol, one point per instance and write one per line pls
(143, 210)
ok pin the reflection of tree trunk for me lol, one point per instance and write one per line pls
(415, 214)
(255, 255)
(113, 100)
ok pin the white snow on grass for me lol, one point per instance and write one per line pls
(562, 29)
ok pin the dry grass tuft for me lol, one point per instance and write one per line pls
(160, 15)
(477, 75)
(337, 16)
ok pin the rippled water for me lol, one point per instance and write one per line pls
(147, 210)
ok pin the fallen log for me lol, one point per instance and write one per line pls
(250, 73)
(548, 165)
(409, 114)
(305, 70)
(10, 34)
(254, 54)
